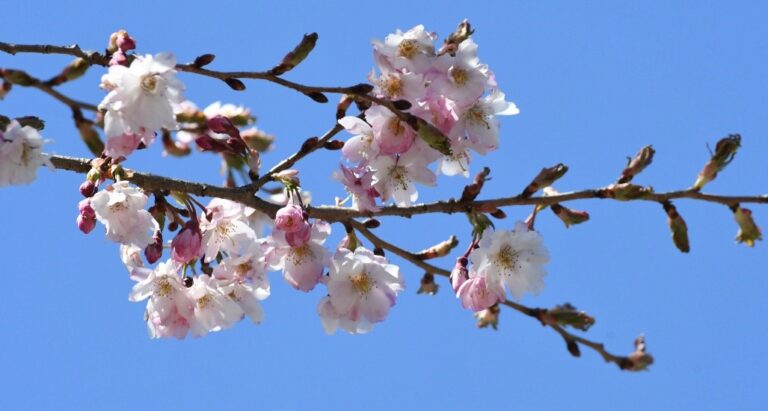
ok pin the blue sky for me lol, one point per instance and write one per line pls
(595, 81)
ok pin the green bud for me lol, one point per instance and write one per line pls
(678, 227)
(567, 315)
(451, 44)
(749, 232)
(725, 150)
(19, 77)
(545, 178)
(428, 285)
(488, 317)
(627, 191)
(639, 360)
(438, 250)
(431, 135)
(569, 216)
(297, 55)
(637, 164)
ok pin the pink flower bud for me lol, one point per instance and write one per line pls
(88, 188)
(125, 42)
(154, 251)
(476, 296)
(459, 274)
(186, 246)
(299, 238)
(290, 219)
(85, 209)
(85, 224)
(118, 59)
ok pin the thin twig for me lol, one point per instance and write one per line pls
(537, 313)
(295, 157)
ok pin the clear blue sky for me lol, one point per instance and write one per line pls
(595, 81)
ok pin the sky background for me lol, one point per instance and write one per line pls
(595, 81)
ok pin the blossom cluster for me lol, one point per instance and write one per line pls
(228, 241)
(450, 91)
(214, 271)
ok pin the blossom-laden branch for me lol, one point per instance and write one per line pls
(244, 195)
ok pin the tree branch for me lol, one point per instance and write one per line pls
(245, 195)
(537, 313)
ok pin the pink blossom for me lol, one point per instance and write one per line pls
(477, 294)
(290, 219)
(302, 265)
(392, 135)
(361, 288)
(359, 184)
(362, 146)
(124, 144)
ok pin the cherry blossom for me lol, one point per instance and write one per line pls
(170, 307)
(225, 228)
(393, 177)
(213, 309)
(362, 146)
(302, 265)
(141, 99)
(121, 209)
(512, 259)
(21, 154)
(361, 288)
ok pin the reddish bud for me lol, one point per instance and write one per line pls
(154, 251)
(186, 246)
(300, 237)
(88, 188)
(85, 224)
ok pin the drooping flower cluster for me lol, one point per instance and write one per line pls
(142, 99)
(452, 92)
(20, 154)
(503, 261)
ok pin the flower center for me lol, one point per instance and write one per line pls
(393, 86)
(163, 287)
(395, 126)
(299, 254)
(459, 76)
(507, 258)
(244, 268)
(408, 48)
(476, 115)
(361, 282)
(149, 83)
(399, 176)
(118, 207)
(203, 301)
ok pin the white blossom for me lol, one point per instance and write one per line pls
(121, 209)
(514, 259)
(21, 154)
